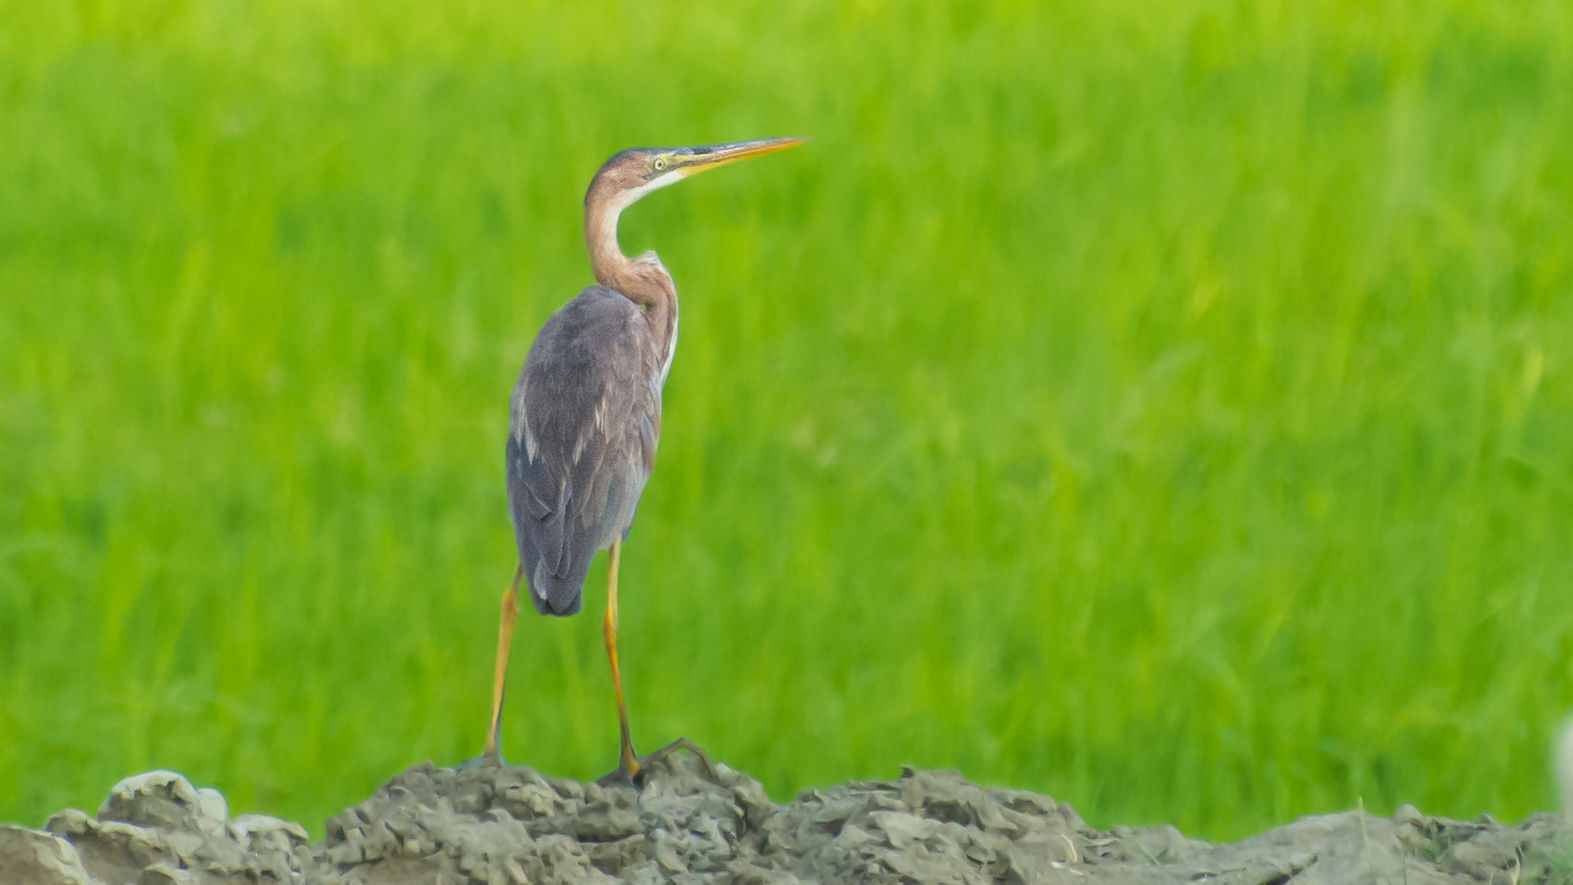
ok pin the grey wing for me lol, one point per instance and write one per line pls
(585, 418)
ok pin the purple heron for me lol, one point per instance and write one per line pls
(586, 414)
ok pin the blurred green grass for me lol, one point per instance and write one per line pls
(1166, 408)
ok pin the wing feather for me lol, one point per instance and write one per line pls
(581, 442)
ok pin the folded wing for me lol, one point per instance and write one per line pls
(585, 418)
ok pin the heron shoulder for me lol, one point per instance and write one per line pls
(591, 366)
(591, 319)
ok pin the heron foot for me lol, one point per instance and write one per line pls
(488, 758)
(633, 772)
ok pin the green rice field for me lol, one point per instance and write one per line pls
(1166, 407)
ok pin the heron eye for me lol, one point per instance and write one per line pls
(659, 164)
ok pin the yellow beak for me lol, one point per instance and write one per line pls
(694, 160)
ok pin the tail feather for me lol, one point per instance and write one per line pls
(558, 595)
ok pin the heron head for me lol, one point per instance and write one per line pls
(631, 174)
(635, 172)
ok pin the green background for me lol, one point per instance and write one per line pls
(1167, 407)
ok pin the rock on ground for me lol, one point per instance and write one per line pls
(509, 825)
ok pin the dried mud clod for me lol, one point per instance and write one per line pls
(509, 825)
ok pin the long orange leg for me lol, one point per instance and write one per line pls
(510, 611)
(629, 766)
(627, 763)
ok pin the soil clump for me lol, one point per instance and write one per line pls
(509, 825)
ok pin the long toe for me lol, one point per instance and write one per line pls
(483, 760)
(663, 755)
(622, 777)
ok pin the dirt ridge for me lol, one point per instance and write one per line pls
(509, 825)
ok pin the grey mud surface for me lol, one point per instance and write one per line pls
(507, 825)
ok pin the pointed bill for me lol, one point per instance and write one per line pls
(694, 160)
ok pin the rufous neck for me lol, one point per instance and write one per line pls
(642, 280)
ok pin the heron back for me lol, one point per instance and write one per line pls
(585, 417)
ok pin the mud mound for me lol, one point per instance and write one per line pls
(506, 825)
